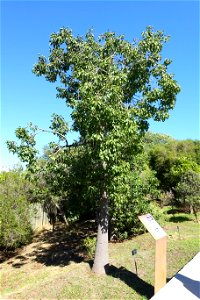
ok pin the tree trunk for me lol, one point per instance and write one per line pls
(101, 253)
(195, 214)
(63, 215)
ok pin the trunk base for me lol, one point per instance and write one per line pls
(101, 259)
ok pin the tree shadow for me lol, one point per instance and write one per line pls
(18, 265)
(192, 285)
(177, 219)
(58, 247)
(132, 280)
(61, 248)
(7, 254)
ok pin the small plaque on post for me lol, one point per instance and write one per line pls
(152, 226)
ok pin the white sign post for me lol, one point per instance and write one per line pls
(160, 237)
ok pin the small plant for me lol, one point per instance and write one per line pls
(89, 244)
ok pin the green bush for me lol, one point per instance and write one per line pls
(132, 196)
(14, 211)
(89, 244)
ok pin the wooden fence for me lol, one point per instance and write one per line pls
(39, 218)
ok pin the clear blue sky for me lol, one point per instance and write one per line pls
(25, 30)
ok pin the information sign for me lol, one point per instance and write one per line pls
(160, 237)
(152, 226)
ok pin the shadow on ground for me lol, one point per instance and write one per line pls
(64, 245)
(58, 248)
(132, 280)
(178, 219)
(55, 248)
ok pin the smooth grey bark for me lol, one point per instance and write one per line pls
(101, 254)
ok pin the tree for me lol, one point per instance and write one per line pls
(151, 139)
(170, 163)
(188, 190)
(189, 149)
(113, 87)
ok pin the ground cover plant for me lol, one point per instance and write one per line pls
(56, 264)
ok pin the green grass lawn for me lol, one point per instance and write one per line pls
(43, 270)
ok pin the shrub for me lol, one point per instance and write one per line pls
(14, 211)
(89, 244)
(132, 198)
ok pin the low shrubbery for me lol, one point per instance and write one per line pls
(89, 244)
(14, 211)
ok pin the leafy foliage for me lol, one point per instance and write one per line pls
(110, 85)
(172, 159)
(89, 244)
(188, 190)
(14, 210)
(113, 87)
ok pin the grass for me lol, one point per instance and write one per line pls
(55, 267)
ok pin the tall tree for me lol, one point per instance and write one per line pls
(188, 191)
(113, 87)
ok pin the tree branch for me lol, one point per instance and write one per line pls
(53, 132)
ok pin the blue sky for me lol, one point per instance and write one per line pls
(25, 30)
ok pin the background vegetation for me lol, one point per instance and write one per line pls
(166, 173)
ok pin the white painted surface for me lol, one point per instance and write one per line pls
(185, 285)
(152, 226)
